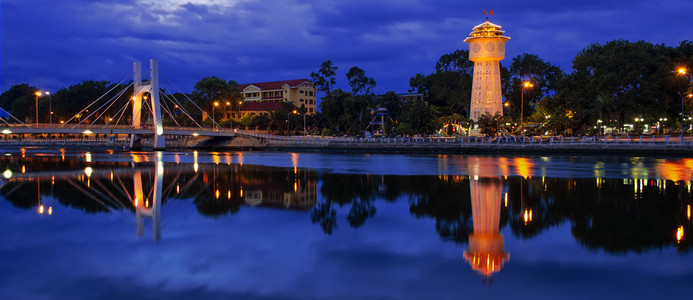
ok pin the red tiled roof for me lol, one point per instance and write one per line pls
(262, 106)
(275, 85)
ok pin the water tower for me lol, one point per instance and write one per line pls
(486, 50)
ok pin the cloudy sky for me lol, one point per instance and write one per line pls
(52, 44)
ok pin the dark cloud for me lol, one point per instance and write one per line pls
(51, 44)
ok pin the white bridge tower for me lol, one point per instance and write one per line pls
(141, 89)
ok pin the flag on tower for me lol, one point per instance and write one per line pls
(485, 13)
(491, 12)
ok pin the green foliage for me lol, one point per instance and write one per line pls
(492, 125)
(212, 89)
(324, 79)
(417, 117)
(359, 83)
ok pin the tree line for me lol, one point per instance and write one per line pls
(616, 84)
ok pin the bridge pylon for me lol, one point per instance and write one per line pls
(142, 209)
(140, 91)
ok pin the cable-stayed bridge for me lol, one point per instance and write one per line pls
(140, 109)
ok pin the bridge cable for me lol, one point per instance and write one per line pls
(80, 112)
(112, 100)
(176, 102)
(13, 117)
(186, 96)
(167, 110)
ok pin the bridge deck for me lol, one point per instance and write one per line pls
(119, 129)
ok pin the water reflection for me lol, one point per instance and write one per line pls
(645, 212)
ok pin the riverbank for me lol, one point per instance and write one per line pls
(659, 146)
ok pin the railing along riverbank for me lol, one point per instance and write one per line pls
(664, 144)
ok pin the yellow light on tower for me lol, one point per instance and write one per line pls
(682, 71)
(679, 234)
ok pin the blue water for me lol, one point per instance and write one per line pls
(89, 248)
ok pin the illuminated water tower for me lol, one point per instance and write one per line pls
(486, 50)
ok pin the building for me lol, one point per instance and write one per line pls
(486, 50)
(263, 97)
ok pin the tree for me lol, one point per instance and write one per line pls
(211, 89)
(544, 76)
(324, 79)
(417, 117)
(20, 97)
(450, 86)
(358, 81)
(491, 125)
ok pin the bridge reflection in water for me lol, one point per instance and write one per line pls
(141, 187)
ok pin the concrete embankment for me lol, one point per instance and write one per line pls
(568, 148)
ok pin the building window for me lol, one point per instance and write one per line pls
(300, 100)
(300, 92)
(310, 110)
(310, 93)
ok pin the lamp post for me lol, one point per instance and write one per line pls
(525, 85)
(214, 123)
(684, 72)
(50, 108)
(304, 121)
(38, 94)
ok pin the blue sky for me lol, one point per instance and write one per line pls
(52, 44)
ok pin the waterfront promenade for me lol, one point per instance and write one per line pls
(646, 145)
(665, 145)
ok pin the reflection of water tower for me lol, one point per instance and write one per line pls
(486, 252)
(486, 50)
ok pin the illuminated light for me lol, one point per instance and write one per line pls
(40, 209)
(136, 202)
(50, 210)
(7, 174)
(196, 167)
(195, 134)
(228, 194)
(688, 211)
(146, 204)
(527, 216)
(87, 156)
(88, 182)
(23, 169)
(87, 131)
(88, 171)
(682, 71)
(177, 188)
(7, 131)
(506, 199)
(111, 175)
(679, 234)
(241, 192)
(217, 194)
(295, 187)
(476, 177)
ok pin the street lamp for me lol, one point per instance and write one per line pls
(525, 85)
(304, 121)
(684, 72)
(38, 94)
(214, 123)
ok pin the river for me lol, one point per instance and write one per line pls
(277, 225)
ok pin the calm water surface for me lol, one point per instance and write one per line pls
(249, 225)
